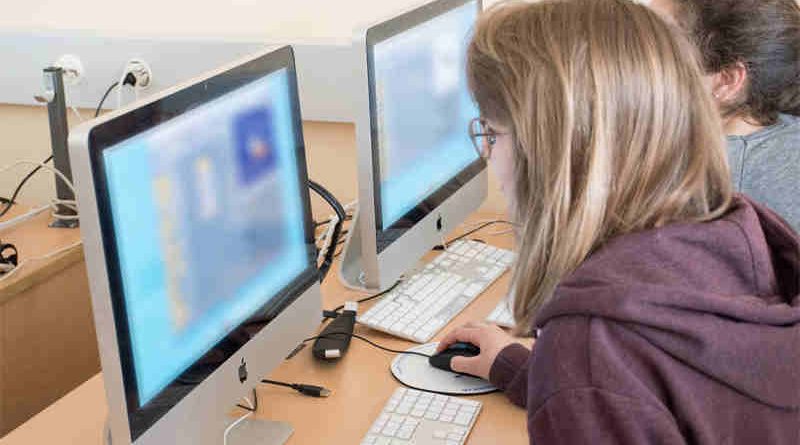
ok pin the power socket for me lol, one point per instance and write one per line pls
(72, 67)
(137, 74)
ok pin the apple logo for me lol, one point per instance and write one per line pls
(242, 371)
(439, 224)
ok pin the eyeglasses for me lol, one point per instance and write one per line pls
(483, 137)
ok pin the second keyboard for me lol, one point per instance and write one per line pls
(426, 301)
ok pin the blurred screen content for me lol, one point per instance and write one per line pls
(213, 230)
(423, 107)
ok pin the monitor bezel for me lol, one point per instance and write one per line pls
(119, 128)
(386, 236)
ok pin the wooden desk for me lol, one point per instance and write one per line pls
(361, 384)
(48, 344)
(47, 338)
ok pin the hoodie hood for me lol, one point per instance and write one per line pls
(734, 318)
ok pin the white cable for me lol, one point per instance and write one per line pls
(352, 206)
(22, 218)
(502, 232)
(121, 86)
(39, 258)
(237, 422)
(77, 113)
(54, 203)
(475, 224)
(328, 238)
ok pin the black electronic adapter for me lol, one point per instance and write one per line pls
(333, 341)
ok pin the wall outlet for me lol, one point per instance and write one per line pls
(141, 71)
(73, 69)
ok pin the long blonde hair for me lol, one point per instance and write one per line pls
(613, 130)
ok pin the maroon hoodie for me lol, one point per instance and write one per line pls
(687, 334)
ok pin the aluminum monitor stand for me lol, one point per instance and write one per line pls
(247, 432)
(351, 268)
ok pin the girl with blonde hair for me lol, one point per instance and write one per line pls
(667, 307)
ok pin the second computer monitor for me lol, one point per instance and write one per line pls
(419, 175)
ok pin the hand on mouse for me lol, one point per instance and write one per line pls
(489, 338)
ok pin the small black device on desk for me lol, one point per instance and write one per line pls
(330, 346)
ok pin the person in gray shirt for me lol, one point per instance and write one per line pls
(751, 53)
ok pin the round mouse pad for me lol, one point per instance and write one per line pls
(416, 372)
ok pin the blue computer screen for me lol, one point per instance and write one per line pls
(209, 224)
(423, 107)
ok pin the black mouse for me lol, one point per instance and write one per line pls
(442, 359)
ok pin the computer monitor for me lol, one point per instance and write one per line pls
(198, 240)
(419, 175)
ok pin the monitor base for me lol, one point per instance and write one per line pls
(351, 267)
(261, 432)
(248, 432)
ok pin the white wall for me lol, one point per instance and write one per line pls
(23, 129)
(232, 18)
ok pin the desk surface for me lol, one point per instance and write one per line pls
(361, 384)
(42, 251)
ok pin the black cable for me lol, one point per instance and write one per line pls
(330, 314)
(464, 235)
(364, 339)
(105, 96)
(444, 393)
(327, 262)
(309, 390)
(318, 224)
(11, 201)
(341, 251)
(255, 403)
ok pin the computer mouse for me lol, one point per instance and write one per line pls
(442, 359)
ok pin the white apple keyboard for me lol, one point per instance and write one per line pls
(423, 418)
(426, 301)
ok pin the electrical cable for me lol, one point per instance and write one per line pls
(337, 228)
(335, 312)
(308, 390)
(366, 340)
(254, 407)
(127, 78)
(470, 232)
(77, 113)
(105, 96)
(235, 423)
(39, 258)
(11, 201)
(54, 203)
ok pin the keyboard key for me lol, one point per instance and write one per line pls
(463, 419)
(405, 433)
(454, 436)
(432, 416)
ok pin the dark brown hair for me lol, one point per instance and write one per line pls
(764, 35)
